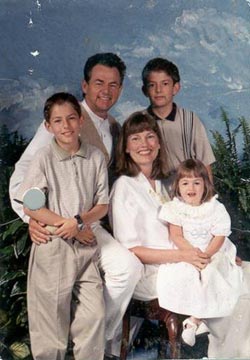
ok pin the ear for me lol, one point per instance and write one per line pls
(176, 89)
(48, 126)
(144, 90)
(81, 120)
(84, 86)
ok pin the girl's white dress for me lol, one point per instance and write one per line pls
(214, 291)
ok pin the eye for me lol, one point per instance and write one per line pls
(114, 86)
(184, 183)
(98, 83)
(151, 136)
(134, 138)
(165, 83)
(150, 85)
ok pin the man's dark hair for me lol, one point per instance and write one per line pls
(107, 59)
(160, 64)
(59, 99)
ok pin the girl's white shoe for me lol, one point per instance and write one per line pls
(189, 332)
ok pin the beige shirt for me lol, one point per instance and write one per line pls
(73, 183)
(185, 138)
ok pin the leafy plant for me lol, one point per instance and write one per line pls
(232, 177)
(14, 252)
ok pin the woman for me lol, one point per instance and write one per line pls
(136, 198)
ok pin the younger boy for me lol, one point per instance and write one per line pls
(183, 133)
(64, 285)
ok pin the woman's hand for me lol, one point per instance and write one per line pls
(67, 228)
(86, 236)
(196, 257)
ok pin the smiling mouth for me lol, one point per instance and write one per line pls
(67, 133)
(191, 194)
(144, 152)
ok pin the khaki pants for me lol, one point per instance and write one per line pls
(65, 299)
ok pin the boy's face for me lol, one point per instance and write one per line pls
(161, 90)
(103, 89)
(65, 124)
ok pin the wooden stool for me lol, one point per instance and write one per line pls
(169, 323)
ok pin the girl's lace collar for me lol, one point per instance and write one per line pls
(200, 211)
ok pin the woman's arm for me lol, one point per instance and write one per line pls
(176, 235)
(192, 256)
(215, 245)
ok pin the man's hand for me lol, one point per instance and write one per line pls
(38, 233)
(196, 257)
(86, 236)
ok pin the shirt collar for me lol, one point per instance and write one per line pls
(92, 115)
(170, 117)
(62, 154)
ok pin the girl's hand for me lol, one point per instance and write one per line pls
(86, 236)
(197, 258)
(67, 228)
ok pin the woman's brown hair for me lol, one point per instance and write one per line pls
(196, 168)
(138, 122)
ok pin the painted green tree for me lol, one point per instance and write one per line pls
(14, 250)
(232, 178)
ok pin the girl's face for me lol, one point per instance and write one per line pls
(191, 190)
(143, 148)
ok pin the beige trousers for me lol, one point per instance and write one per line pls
(65, 298)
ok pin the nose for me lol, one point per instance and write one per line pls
(65, 123)
(191, 187)
(158, 88)
(143, 141)
(105, 88)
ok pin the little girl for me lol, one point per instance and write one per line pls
(197, 219)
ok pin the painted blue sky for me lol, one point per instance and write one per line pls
(44, 44)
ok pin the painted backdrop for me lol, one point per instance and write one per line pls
(44, 44)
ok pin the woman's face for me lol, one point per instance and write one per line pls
(143, 148)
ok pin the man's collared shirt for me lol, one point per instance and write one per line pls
(102, 126)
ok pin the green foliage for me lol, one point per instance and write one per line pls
(14, 251)
(11, 147)
(232, 177)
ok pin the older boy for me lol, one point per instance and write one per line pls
(183, 133)
(64, 285)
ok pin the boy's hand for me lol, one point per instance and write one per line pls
(86, 236)
(67, 228)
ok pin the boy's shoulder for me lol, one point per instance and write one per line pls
(92, 151)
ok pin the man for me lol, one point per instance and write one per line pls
(182, 131)
(102, 85)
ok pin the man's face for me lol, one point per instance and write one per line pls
(161, 89)
(103, 89)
